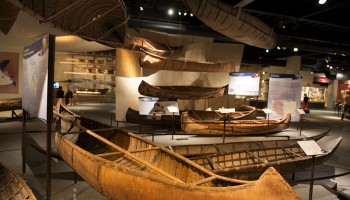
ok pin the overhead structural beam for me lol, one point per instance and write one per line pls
(243, 3)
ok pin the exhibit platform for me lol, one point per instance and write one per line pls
(63, 185)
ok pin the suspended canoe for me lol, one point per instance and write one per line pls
(181, 92)
(221, 148)
(234, 127)
(122, 165)
(12, 186)
(233, 22)
(153, 61)
(103, 21)
(249, 164)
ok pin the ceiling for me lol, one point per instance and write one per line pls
(320, 32)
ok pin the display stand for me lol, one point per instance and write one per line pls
(173, 109)
(301, 115)
(226, 119)
(311, 148)
(154, 117)
(267, 112)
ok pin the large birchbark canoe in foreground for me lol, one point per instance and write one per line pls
(153, 61)
(122, 165)
(234, 127)
(229, 147)
(181, 92)
(233, 22)
(12, 186)
(250, 164)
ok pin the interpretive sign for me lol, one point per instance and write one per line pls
(244, 83)
(310, 147)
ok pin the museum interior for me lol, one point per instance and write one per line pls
(182, 99)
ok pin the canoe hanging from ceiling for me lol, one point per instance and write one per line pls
(8, 16)
(102, 21)
(152, 61)
(233, 22)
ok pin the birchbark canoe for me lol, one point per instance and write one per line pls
(233, 22)
(12, 186)
(243, 112)
(249, 164)
(234, 127)
(181, 92)
(217, 148)
(122, 165)
(153, 61)
(10, 104)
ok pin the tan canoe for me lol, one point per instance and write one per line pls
(234, 127)
(12, 186)
(217, 148)
(181, 92)
(122, 165)
(153, 61)
(250, 164)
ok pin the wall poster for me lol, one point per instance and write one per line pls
(35, 77)
(9, 66)
(157, 106)
(244, 83)
(284, 95)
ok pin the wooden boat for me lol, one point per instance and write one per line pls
(217, 148)
(122, 165)
(249, 164)
(241, 113)
(12, 186)
(181, 92)
(134, 117)
(235, 127)
(153, 61)
(10, 104)
(233, 22)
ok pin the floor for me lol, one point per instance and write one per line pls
(63, 185)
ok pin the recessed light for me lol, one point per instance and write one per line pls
(170, 11)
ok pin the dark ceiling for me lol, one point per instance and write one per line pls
(320, 32)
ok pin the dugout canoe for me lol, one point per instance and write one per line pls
(233, 127)
(12, 186)
(181, 92)
(10, 104)
(217, 148)
(122, 165)
(153, 61)
(249, 164)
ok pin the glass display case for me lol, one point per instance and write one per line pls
(317, 96)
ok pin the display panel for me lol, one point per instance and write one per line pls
(244, 83)
(158, 106)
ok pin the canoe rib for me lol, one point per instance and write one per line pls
(124, 177)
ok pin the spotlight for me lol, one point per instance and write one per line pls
(295, 49)
(191, 15)
(185, 13)
(279, 48)
(267, 51)
(141, 8)
(170, 11)
(322, 1)
(179, 13)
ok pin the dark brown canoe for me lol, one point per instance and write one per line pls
(217, 148)
(12, 186)
(181, 92)
(10, 104)
(249, 164)
(122, 165)
(234, 127)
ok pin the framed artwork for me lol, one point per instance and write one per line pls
(9, 67)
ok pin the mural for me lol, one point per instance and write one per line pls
(9, 72)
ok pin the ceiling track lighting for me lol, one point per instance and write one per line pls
(322, 2)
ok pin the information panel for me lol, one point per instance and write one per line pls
(158, 106)
(244, 83)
